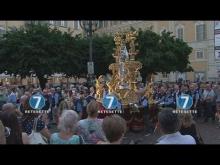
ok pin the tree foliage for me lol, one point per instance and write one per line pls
(44, 50)
(162, 53)
(40, 49)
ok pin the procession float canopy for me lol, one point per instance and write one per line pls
(125, 71)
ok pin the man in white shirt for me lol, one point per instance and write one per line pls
(208, 98)
(169, 125)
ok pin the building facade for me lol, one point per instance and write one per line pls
(72, 26)
(198, 34)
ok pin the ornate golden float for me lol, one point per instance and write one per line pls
(125, 70)
(124, 79)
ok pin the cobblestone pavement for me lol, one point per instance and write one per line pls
(209, 132)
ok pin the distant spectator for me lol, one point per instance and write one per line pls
(23, 101)
(80, 104)
(208, 98)
(3, 97)
(62, 106)
(12, 98)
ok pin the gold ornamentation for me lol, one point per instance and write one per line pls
(99, 88)
(149, 91)
(124, 72)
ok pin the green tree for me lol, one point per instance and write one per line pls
(162, 53)
(40, 49)
(102, 52)
(103, 48)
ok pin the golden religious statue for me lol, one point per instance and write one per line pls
(125, 68)
(131, 38)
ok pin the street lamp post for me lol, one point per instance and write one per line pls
(89, 27)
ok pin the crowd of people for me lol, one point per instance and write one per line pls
(75, 112)
(73, 109)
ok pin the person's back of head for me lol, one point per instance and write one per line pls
(186, 120)
(8, 107)
(168, 121)
(92, 109)
(114, 128)
(10, 120)
(68, 120)
(13, 89)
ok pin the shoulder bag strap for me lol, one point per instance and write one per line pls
(81, 140)
(35, 123)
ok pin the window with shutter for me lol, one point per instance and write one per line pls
(76, 25)
(62, 23)
(100, 24)
(51, 22)
(199, 54)
(105, 23)
(65, 23)
(58, 23)
(180, 33)
(200, 32)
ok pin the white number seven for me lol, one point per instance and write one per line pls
(111, 101)
(186, 99)
(38, 101)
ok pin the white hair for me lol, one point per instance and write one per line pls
(68, 120)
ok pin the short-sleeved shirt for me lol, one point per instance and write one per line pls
(27, 125)
(55, 139)
(176, 138)
(91, 130)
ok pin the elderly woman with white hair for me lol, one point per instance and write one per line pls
(67, 125)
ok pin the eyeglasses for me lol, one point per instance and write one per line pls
(7, 131)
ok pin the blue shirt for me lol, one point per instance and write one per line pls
(169, 99)
(176, 138)
(79, 105)
(143, 101)
(56, 98)
(55, 139)
(12, 98)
